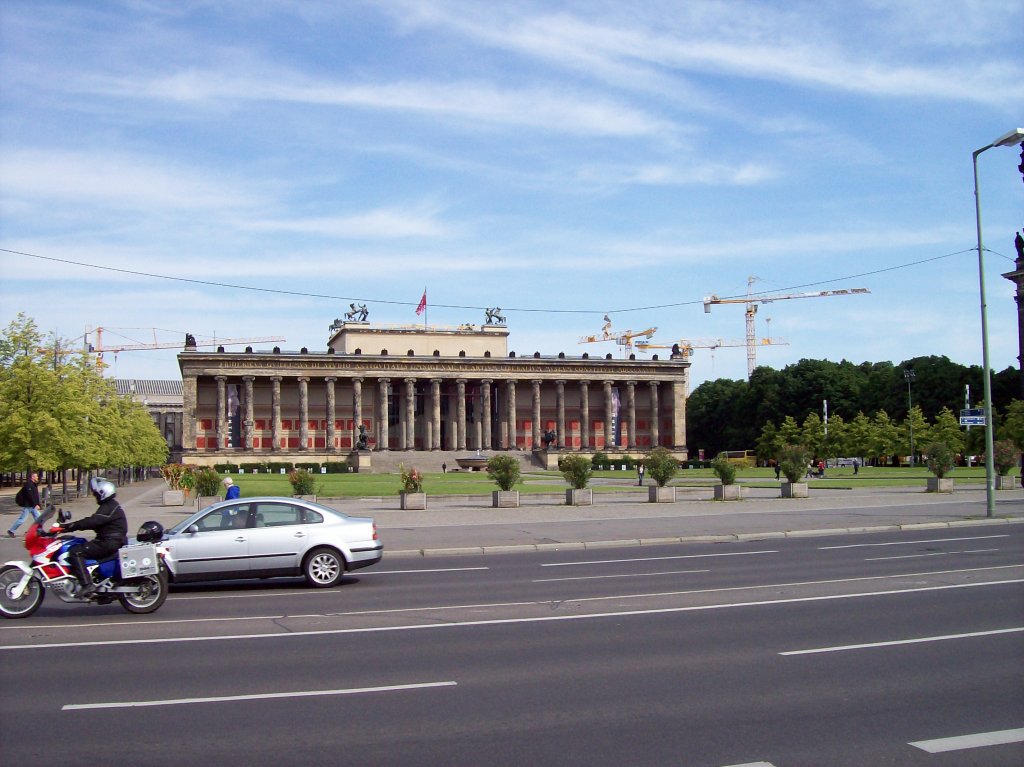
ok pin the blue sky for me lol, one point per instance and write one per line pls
(561, 160)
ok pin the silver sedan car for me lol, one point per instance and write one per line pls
(268, 537)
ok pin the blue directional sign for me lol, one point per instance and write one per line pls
(973, 416)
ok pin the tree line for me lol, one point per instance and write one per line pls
(869, 415)
(58, 412)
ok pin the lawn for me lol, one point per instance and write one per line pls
(477, 483)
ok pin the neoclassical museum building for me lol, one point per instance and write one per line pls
(418, 388)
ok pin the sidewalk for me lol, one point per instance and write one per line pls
(468, 525)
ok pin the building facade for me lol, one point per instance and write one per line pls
(163, 400)
(424, 389)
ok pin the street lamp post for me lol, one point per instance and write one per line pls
(1012, 138)
(910, 376)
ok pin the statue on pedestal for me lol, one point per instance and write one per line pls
(359, 313)
(494, 316)
(363, 443)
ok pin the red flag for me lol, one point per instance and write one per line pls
(423, 303)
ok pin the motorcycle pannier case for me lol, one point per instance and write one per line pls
(139, 560)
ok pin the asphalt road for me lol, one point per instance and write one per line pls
(872, 649)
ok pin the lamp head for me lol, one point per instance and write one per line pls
(1016, 136)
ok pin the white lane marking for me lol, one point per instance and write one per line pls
(434, 608)
(896, 642)
(977, 740)
(627, 575)
(929, 554)
(911, 543)
(262, 696)
(503, 621)
(657, 559)
(752, 764)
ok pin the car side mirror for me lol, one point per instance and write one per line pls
(193, 529)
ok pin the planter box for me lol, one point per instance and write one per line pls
(729, 492)
(173, 498)
(794, 490)
(661, 494)
(202, 501)
(413, 501)
(505, 499)
(1006, 482)
(936, 485)
(584, 497)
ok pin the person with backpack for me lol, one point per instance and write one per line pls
(28, 499)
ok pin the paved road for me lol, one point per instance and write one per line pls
(878, 648)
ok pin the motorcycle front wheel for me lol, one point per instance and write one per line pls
(152, 591)
(30, 599)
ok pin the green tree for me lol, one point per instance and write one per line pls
(947, 430)
(789, 432)
(836, 439)
(885, 436)
(916, 421)
(768, 443)
(1012, 426)
(859, 435)
(812, 433)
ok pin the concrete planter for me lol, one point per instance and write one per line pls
(413, 501)
(173, 498)
(937, 485)
(505, 499)
(728, 492)
(584, 497)
(1006, 482)
(794, 490)
(202, 501)
(661, 494)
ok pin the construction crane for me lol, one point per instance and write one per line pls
(751, 301)
(624, 339)
(685, 346)
(98, 348)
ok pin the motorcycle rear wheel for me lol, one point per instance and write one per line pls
(31, 597)
(152, 593)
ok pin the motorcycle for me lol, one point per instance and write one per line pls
(136, 576)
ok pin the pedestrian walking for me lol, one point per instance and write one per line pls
(233, 490)
(28, 499)
(639, 474)
(778, 470)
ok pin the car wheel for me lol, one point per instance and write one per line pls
(324, 568)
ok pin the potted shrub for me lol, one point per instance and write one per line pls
(187, 480)
(1005, 456)
(206, 483)
(577, 470)
(793, 460)
(174, 495)
(505, 471)
(411, 494)
(940, 463)
(304, 484)
(728, 490)
(662, 466)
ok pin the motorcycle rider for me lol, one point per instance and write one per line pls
(111, 528)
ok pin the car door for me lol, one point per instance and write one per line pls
(278, 538)
(218, 549)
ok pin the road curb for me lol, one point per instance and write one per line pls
(729, 538)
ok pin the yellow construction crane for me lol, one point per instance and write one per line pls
(751, 301)
(98, 348)
(624, 339)
(685, 346)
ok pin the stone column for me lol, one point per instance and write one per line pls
(460, 413)
(188, 422)
(485, 412)
(383, 389)
(655, 415)
(535, 437)
(560, 410)
(631, 413)
(357, 409)
(304, 412)
(331, 414)
(275, 413)
(678, 415)
(510, 391)
(249, 424)
(221, 422)
(584, 415)
(435, 413)
(609, 435)
(410, 413)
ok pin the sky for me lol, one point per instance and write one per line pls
(248, 169)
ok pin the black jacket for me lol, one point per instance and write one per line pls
(109, 522)
(30, 494)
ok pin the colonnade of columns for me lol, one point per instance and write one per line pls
(462, 430)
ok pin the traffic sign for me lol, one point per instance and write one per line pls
(972, 420)
(973, 412)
